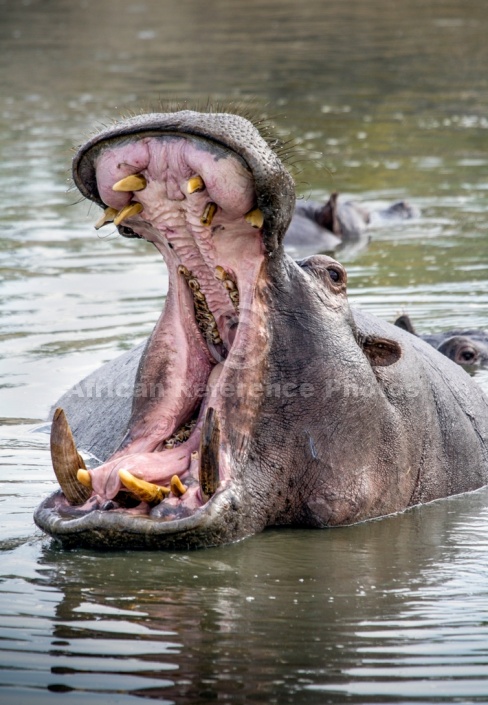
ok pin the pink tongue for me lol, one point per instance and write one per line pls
(158, 468)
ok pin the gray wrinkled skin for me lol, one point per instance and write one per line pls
(359, 418)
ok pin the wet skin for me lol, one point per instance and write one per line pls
(467, 348)
(260, 398)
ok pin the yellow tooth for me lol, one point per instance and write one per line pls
(177, 487)
(84, 477)
(208, 214)
(255, 218)
(127, 212)
(134, 182)
(220, 273)
(107, 217)
(195, 184)
(183, 270)
(145, 491)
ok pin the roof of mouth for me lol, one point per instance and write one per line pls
(273, 183)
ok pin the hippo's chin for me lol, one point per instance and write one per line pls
(111, 530)
(196, 201)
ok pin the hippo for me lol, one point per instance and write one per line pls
(338, 224)
(468, 348)
(261, 398)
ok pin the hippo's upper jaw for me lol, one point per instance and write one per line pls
(215, 201)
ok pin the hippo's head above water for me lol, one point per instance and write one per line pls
(260, 399)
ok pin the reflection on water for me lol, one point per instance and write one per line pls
(385, 101)
(390, 608)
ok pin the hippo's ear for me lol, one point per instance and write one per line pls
(381, 352)
(405, 323)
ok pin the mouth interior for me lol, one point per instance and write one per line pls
(195, 201)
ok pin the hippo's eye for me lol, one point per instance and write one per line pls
(336, 275)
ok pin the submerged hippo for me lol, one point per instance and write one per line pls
(338, 224)
(468, 348)
(260, 398)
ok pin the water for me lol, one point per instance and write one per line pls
(385, 100)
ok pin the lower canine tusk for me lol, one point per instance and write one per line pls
(209, 454)
(66, 460)
(145, 491)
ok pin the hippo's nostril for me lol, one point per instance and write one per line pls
(134, 182)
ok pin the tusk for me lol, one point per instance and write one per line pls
(84, 477)
(66, 460)
(208, 214)
(107, 217)
(145, 491)
(195, 184)
(255, 218)
(127, 212)
(209, 454)
(177, 487)
(134, 182)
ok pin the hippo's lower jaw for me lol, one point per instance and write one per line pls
(175, 471)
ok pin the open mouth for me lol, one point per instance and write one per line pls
(196, 200)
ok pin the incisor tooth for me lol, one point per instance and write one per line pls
(127, 212)
(107, 217)
(177, 487)
(208, 214)
(145, 491)
(133, 182)
(195, 184)
(255, 218)
(84, 477)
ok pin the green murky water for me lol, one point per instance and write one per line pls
(385, 100)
